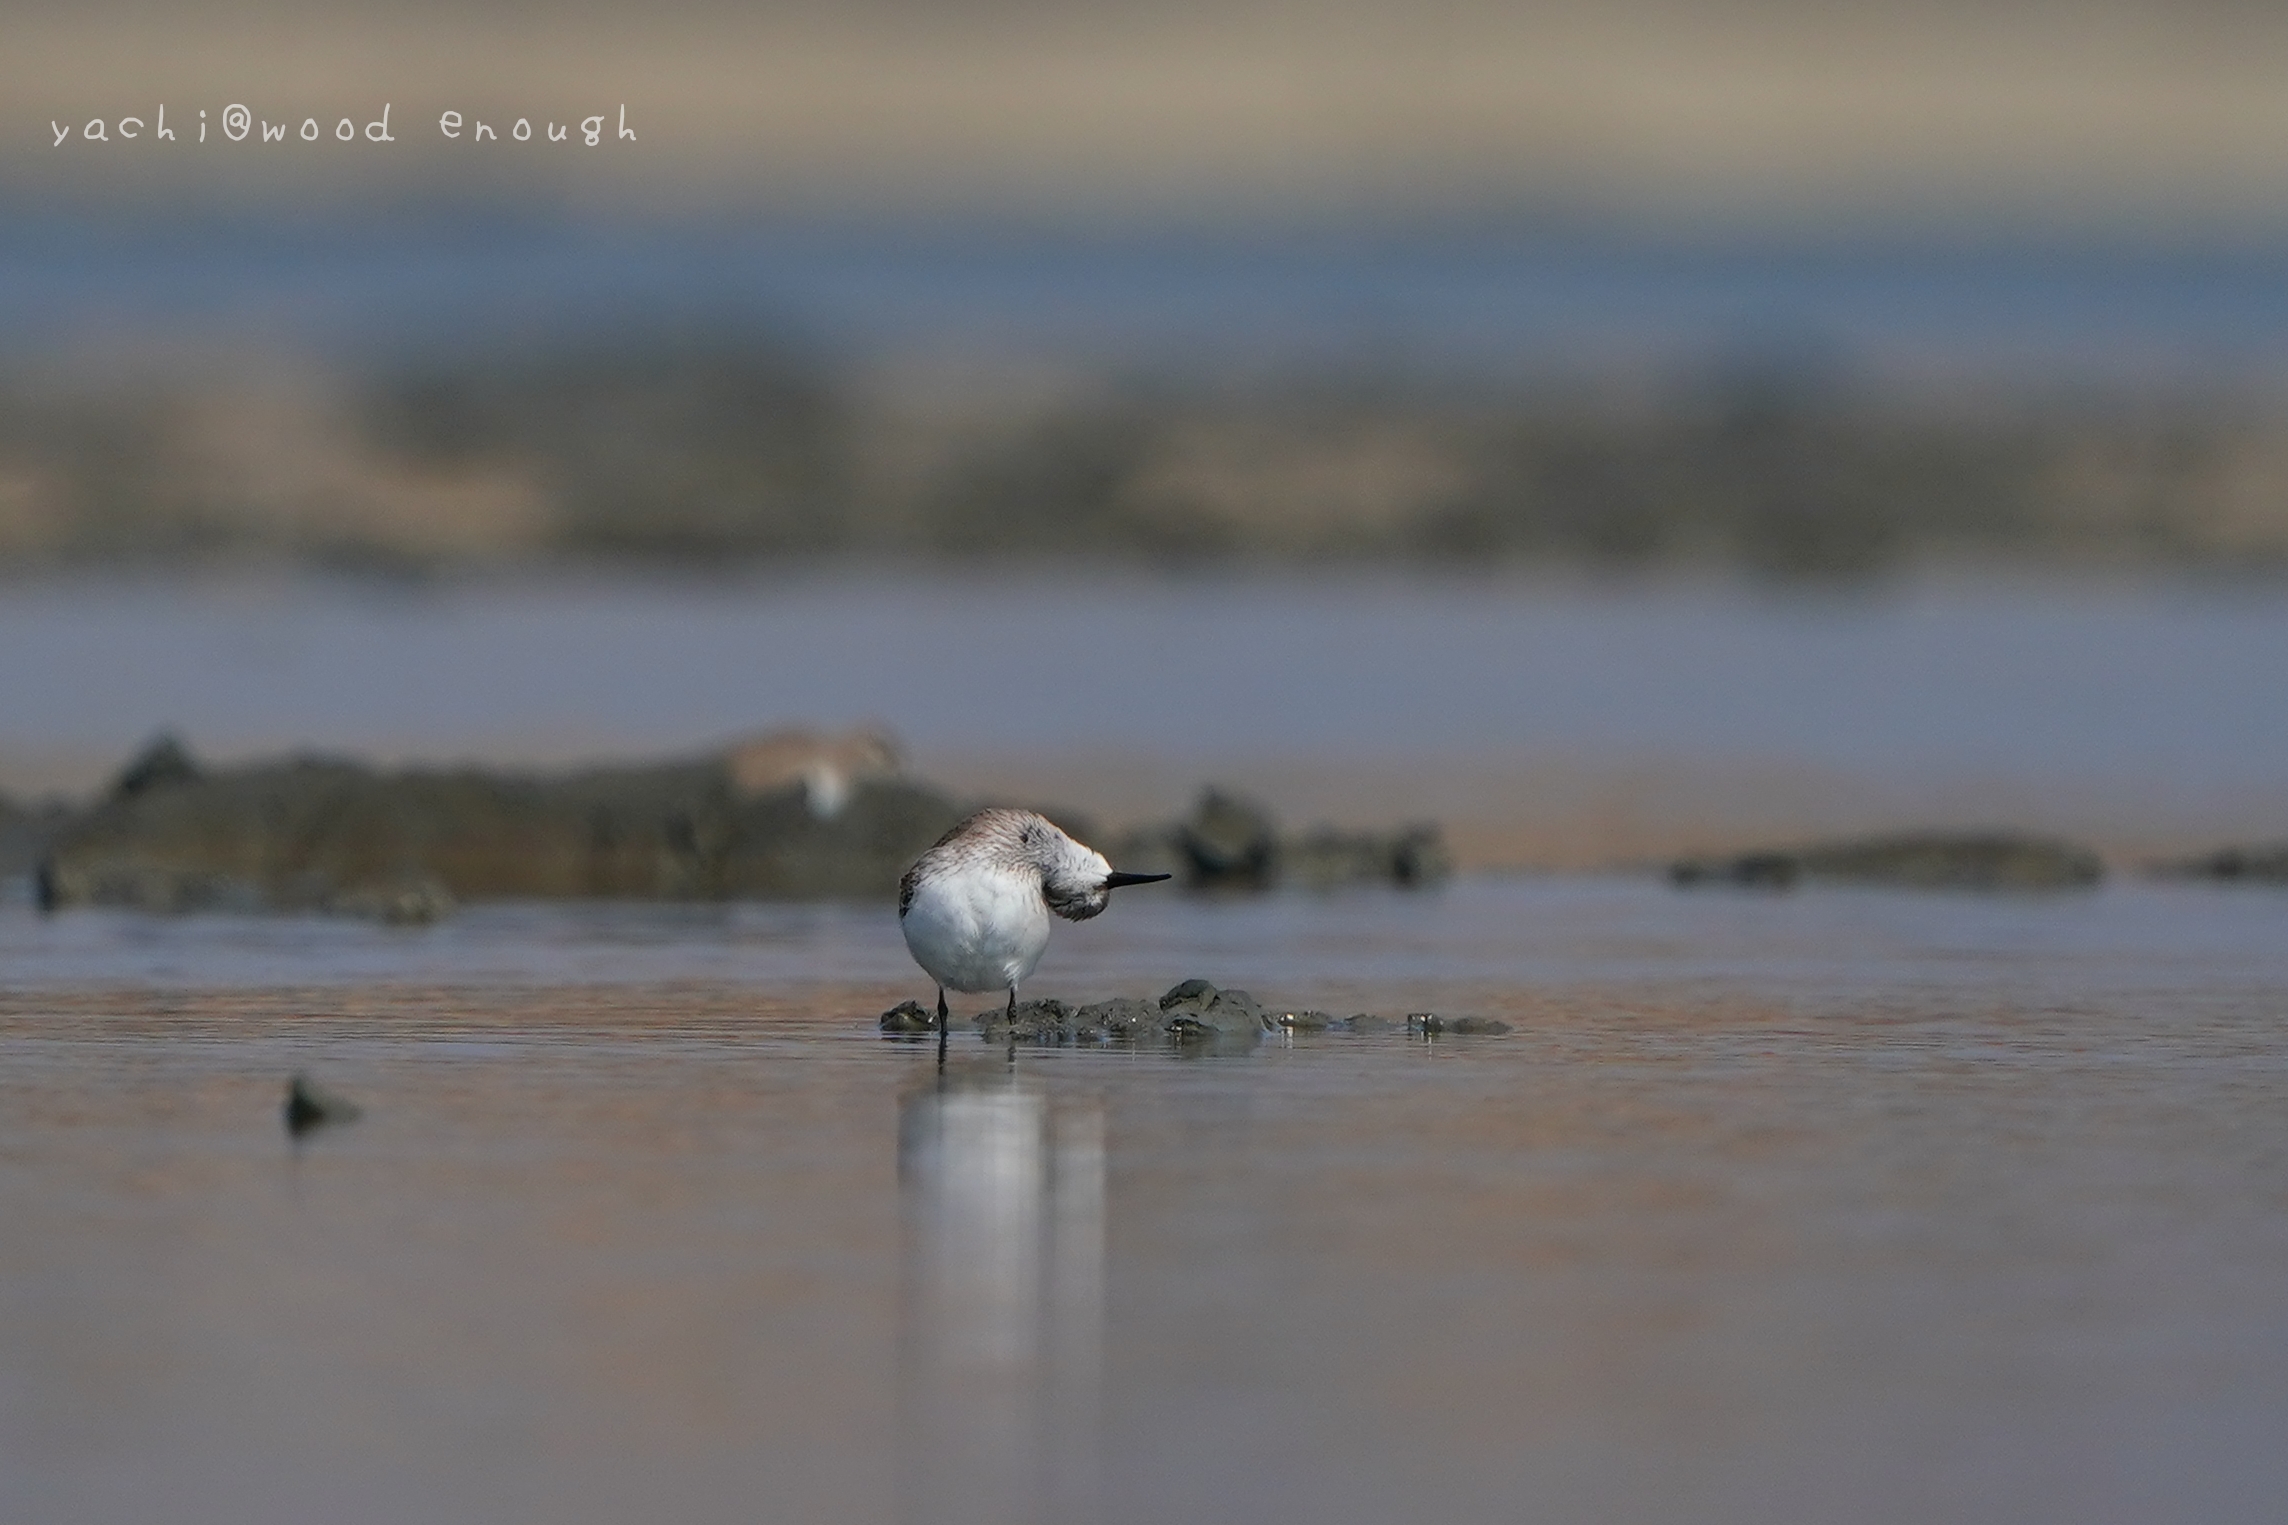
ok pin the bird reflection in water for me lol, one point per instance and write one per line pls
(1002, 1302)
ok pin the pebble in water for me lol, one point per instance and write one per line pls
(310, 1106)
(908, 1018)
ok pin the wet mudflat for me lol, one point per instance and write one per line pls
(1839, 1205)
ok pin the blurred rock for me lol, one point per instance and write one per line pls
(1228, 842)
(1231, 843)
(318, 834)
(1934, 860)
(310, 1106)
(788, 815)
(2264, 864)
(162, 764)
(1329, 859)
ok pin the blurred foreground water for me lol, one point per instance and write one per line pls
(1849, 1205)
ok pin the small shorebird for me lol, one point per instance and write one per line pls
(975, 908)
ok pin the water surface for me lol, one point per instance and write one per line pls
(1830, 1206)
(1615, 720)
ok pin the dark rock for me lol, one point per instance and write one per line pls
(164, 763)
(310, 1106)
(1430, 1025)
(909, 1017)
(1368, 1022)
(1984, 861)
(2266, 864)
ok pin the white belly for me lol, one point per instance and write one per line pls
(977, 931)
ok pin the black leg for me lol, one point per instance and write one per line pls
(1012, 1024)
(944, 1025)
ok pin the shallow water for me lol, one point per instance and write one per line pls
(1549, 724)
(1831, 1206)
(2157, 686)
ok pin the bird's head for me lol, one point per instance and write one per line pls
(1076, 880)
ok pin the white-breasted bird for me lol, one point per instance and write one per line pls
(975, 908)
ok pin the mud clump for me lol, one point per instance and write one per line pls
(1194, 1012)
(1197, 1012)
(1195, 1016)
(1307, 1021)
(1123, 1019)
(1429, 1024)
(1044, 1019)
